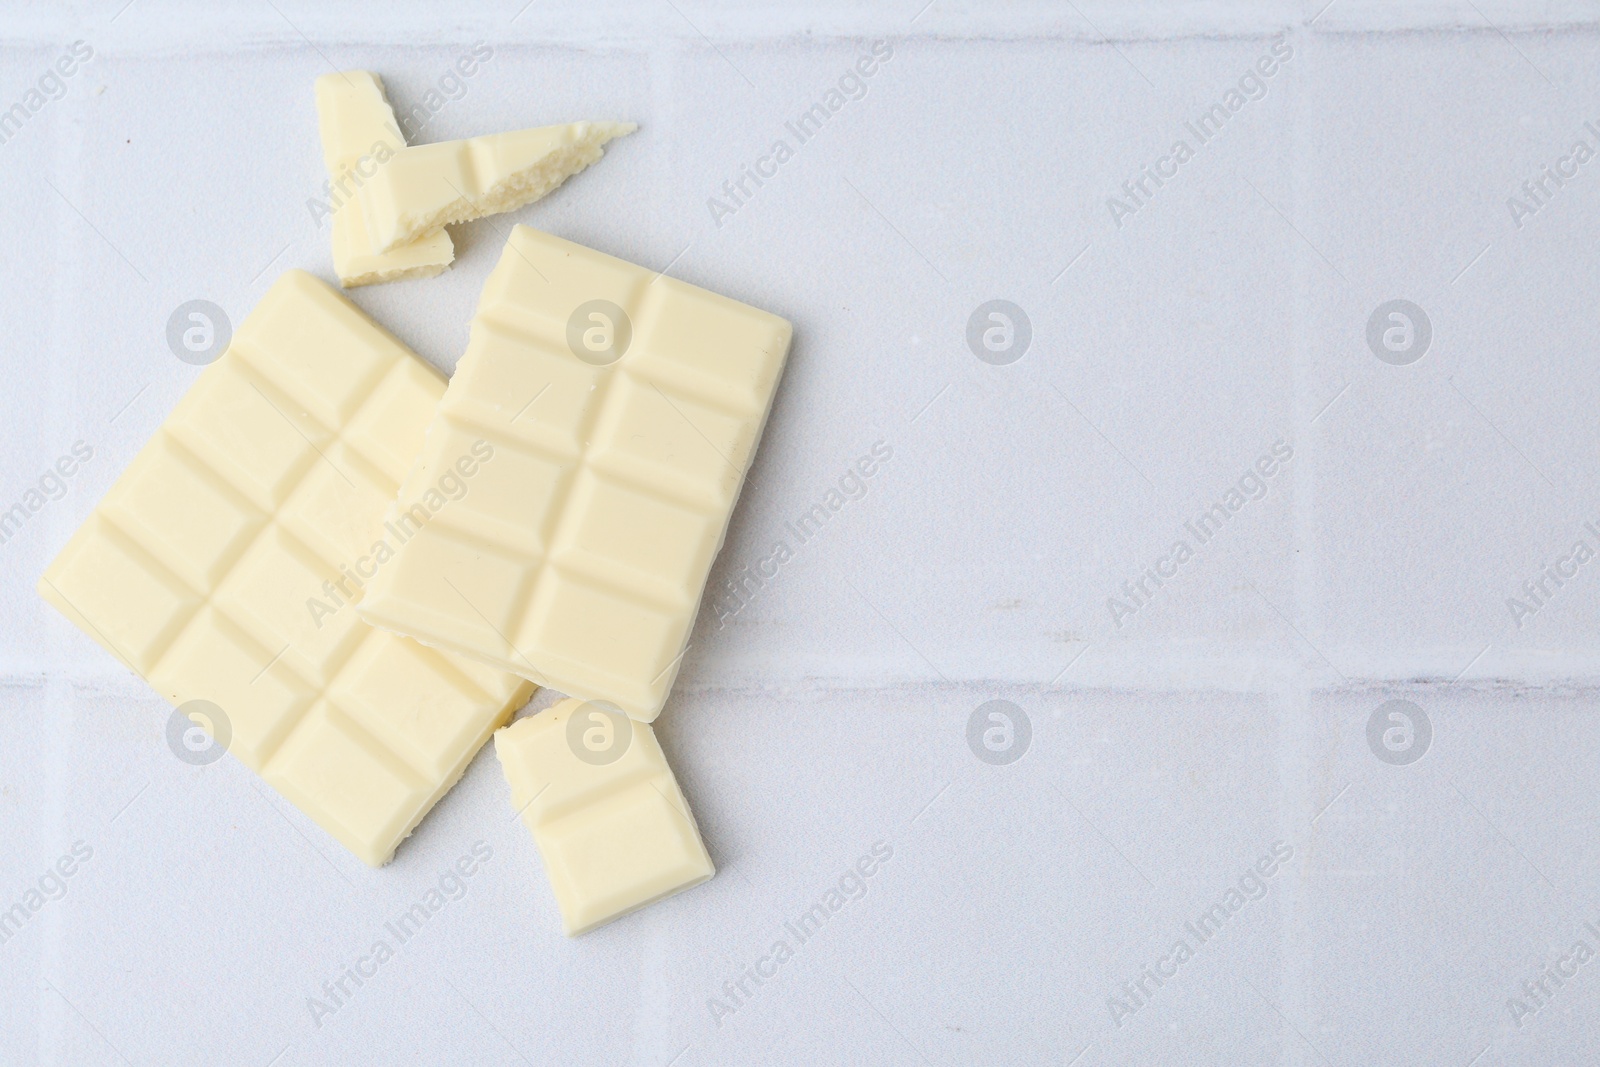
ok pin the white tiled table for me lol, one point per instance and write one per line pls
(830, 713)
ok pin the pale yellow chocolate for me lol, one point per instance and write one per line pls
(579, 557)
(427, 187)
(360, 136)
(605, 810)
(256, 500)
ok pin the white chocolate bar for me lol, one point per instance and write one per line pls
(605, 810)
(359, 137)
(579, 560)
(262, 495)
(427, 187)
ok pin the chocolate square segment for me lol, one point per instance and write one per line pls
(608, 817)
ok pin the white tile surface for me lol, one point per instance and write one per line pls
(830, 713)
